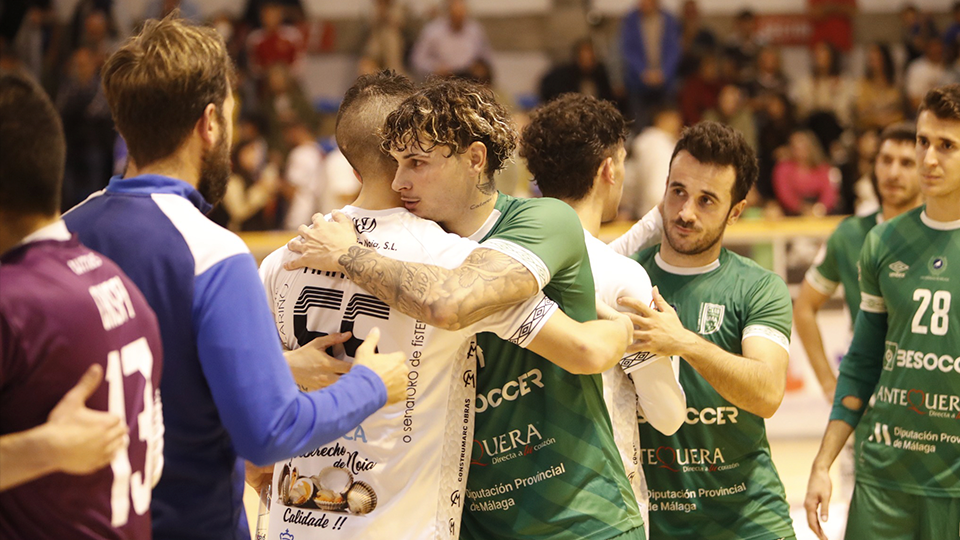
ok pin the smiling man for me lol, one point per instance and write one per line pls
(906, 354)
(730, 325)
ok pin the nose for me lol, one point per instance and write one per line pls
(687, 211)
(400, 182)
(928, 156)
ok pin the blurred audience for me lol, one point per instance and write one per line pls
(450, 43)
(925, 73)
(584, 74)
(879, 101)
(699, 91)
(387, 38)
(696, 39)
(916, 29)
(743, 46)
(304, 176)
(650, 163)
(650, 50)
(832, 21)
(274, 43)
(775, 123)
(732, 110)
(802, 182)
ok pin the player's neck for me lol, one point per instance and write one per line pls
(175, 166)
(473, 217)
(590, 211)
(15, 227)
(377, 195)
(890, 211)
(944, 208)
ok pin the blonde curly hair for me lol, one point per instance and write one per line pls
(452, 113)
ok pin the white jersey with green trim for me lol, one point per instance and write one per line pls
(401, 474)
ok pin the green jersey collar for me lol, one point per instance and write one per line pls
(685, 271)
(939, 225)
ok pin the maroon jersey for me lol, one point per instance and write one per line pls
(64, 307)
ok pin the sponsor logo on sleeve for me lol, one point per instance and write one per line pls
(899, 269)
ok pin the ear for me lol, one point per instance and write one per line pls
(476, 155)
(605, 172)
(208, 127)
(736, 211)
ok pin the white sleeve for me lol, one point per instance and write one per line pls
(644, 233)
(271, 266)
(519, 323)
(660, 397)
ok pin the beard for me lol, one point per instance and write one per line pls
(704, 243)
(215, 171)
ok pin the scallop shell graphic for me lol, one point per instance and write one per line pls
(326, 499)
(335, 479)
(301, 491)
(361, 498)
(287, 477)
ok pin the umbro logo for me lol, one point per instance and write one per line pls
(898, 269)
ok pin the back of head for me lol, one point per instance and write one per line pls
(32, 148)
(943, 102)
(904, 132)
(714, 143)
(567, 140)
(362, 113)
(453, 113)
(160, 81)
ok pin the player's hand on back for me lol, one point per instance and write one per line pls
(322, 244)
(312, 367)
(392, 367)
(85, 440)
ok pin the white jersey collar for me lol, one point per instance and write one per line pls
(487, 226)
(683, 270)
(939, 225)
(54, 231)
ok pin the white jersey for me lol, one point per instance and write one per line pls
(401, 474)
(654, 395)
(644, 233)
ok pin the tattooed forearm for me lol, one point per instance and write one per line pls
(486, 282)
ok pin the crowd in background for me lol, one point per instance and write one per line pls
(815, 135)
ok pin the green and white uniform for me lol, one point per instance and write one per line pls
(715, 479)
(906, 353)
(836, 263)
(544, 464)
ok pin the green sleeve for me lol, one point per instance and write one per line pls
(863, 363)
(771, 311)
(547, 228)
(824, 275)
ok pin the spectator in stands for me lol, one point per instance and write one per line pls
(699, 92)
(650, 51)
(696, 40)
(832, 21)
(827, 89)
(449, 44)
(274, 43)
(732, 110)
(87, 126)
(769, 78)
(743, 46)
(916, 30)
(802, 181)
(650, 162)
(584, 74)
(282, 100)
(304, 178)
(951, 37)
(158, 9)
(879, 101)
(925, 73)
(387, 38)
(775, 123)
(250, 198)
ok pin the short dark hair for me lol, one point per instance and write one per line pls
(943, 102)
(160, 81)
(360, 119)
(32, 147)
(453, 113)
(567, 140)
(714, 143)
(900, 132)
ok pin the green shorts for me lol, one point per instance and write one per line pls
(894, 515)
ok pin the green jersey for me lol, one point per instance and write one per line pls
(544, 464)
(714, 478)
(836, 263)
(909, 439)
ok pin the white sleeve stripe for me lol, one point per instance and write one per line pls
(772, 334)
(534, 323)
(872, 304)
(524, 256)
(208, 242)
(820, 283)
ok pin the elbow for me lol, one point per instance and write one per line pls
(443, 314)
(591, 358)
(768, 406)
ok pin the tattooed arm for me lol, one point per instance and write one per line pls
(486, 282)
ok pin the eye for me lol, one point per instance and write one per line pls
(706, 201)
(922, 141)
(948, 145)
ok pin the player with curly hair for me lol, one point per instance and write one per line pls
(545, 463)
